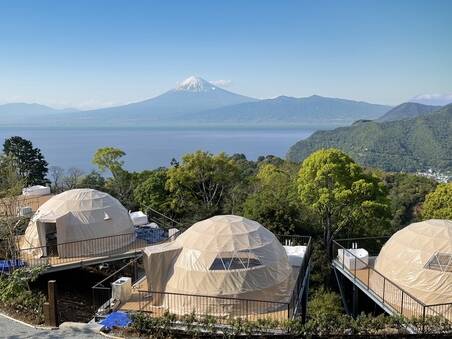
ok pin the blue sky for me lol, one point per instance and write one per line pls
(98, 53)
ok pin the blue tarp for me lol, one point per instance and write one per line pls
(151, 235)
(8, 265)
(116, 319)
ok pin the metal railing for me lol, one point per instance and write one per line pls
(86, 250)
(227, 307)
(392, 296)
(163, 220)
(222, 308)
(302, 278)
(102, 291)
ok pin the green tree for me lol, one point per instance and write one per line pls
(109, 158)
(92, 180)
(120, 184)
(275, 203)
(11, 185)
(152, 192)
(438, 204)
(407, 192)
(29, 161)
(201, 182)
(342, 195)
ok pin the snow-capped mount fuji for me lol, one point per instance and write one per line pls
(195, 84)
(192, 95)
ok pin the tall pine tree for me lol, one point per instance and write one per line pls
(29, 161)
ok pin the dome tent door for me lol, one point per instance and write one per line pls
(51, 239)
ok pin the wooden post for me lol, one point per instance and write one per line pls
(52, 308)
(355, 301)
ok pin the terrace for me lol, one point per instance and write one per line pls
(222, 308)
(74, 254)
(392, 298)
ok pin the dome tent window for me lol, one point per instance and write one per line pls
(235, 261)
(440, 262)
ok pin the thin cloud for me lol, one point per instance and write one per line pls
(439, 99)
(221, 83)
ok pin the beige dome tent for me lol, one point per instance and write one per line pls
(418, 258)
(74, 216)
(224, 256)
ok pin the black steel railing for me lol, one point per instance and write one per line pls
(392, 296)
(86, 250)
(302, 276)
(163, 220)
(102, 291)
(222, 308)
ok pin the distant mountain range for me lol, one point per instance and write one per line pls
(404, 145)
(407, 110)
(311, 110)
(196, 102)
(17, 112)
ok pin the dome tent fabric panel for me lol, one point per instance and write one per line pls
(405, 256)
(80, 215)
(228, 239)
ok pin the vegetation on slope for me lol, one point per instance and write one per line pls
(407, 110)
(405, 145)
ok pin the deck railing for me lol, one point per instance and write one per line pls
(222, 308)
(392, 296)
(86, 250)
(102, 291)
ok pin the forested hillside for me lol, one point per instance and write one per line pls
(408, 110)
(404, 145)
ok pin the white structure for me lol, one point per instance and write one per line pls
(36, 191)
(139, 218)
(77, 216)
(121, 289)
(418, 258)
(224, 256)
(353, 258)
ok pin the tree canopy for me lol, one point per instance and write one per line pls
(29, 161)
(201, 182)
(275, 203)
(109, 158)
(152, 193)
(438, 204)
(342, 195)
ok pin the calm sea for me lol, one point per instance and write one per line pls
(149, 148)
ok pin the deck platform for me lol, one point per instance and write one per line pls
(134, 304)
(386, 294)
(56, 263)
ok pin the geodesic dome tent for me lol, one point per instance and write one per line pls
(418, 258)
(224, 256)
(68, 223)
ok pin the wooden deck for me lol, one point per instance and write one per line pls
(60, 263)
(390, 294)
(133, 305)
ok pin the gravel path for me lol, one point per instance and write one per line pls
(11, 329)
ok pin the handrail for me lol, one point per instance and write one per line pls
(363, 238)
(214, 297)
(403, 292)
(384, 277)
(163, 215)
(117, 271)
